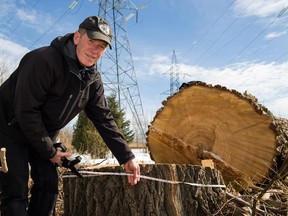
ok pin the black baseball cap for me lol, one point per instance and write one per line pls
(97, 28)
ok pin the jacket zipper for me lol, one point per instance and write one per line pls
(76, 99)
(13, 121)
(72, 107)
(66, 106)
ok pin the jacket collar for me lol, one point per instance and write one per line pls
(66, 46)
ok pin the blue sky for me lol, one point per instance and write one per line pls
(240, 44)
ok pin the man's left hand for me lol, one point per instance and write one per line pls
(132, 167)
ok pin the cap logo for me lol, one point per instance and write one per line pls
(104, 28)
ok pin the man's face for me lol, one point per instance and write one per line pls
(88, 50)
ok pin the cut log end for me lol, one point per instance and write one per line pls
(212, 122)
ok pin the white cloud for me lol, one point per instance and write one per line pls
(154, 64)
(279, 106)
(273, 35)
(24, 17)
(11, 48)
(160, 58)
(27, 17)
(12, 53)
(159, 68)
(263, 79)
(261, 8)
(36, 20)
(7, 8)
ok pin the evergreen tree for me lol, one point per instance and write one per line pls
(87, 140)
(119, 116)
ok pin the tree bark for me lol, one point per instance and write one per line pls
(112, 195)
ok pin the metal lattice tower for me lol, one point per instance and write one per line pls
(174, 75)
(117, 66)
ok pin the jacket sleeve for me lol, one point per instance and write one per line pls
(33, 83)
(99, 113)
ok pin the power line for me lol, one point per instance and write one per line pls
(19, 23)
(71, 7)
(222, 34)
(258, 35)
(205, 33)
(265, 44)
(80, 6)
(26, 13)
(281, 56)
(270, 40)
(211, 27)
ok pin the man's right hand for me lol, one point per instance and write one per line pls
(57, 157)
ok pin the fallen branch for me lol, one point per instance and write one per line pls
(278, 175)
(241, 203)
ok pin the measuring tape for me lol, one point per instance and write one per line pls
(95, 173)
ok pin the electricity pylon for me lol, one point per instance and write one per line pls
(174, 75)
(117, 66)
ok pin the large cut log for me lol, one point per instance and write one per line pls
(112, 195)
(212, 122)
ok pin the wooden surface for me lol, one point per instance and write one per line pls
(211, 122)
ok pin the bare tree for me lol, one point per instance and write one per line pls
(65, 136)
(3, 68)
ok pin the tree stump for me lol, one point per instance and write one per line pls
(112, 195)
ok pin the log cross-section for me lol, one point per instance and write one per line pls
(203, 122)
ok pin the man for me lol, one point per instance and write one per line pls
(48, 89)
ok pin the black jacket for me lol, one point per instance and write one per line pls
(47, 90)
